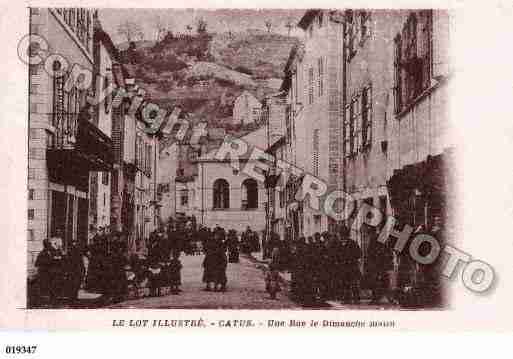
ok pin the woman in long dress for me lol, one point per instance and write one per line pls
(233, 247)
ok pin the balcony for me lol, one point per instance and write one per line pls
(78, 148)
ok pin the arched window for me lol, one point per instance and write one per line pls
(221, 194)
(249, 194)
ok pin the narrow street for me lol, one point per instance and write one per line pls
(246, 290)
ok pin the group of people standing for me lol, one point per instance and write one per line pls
(326, 266)
(60, 272)
(106, 265)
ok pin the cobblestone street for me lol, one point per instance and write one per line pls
(246, 290)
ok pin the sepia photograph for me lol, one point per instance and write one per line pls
(240, 159)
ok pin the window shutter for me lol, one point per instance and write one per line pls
(364, 116)
(321, 75)
(358, 128)
(426, 46)
(397, 74)
(315, 159)
(310, 85)
(370, 117)
(404, 57)
(351, 127)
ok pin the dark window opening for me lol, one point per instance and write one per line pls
(221, 194)
(249, 194)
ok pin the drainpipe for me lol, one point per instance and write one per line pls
(202, 193)
(344, 103)
(155, 181)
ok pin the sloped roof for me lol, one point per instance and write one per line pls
(103, 37)
(253, 94)
(257, 138)
(308, 17)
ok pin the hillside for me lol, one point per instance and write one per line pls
(204, 74)
(263, 54)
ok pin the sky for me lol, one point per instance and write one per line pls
(218, 20)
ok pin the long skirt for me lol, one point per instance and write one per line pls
(233, 256)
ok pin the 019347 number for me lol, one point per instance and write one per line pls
(20, 349)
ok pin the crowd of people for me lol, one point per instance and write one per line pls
(328, 266)
(325, 266)
(108, 267)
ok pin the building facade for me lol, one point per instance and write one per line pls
(65, 144)
(313, 83)
(397, 143)
(227, 196)
(274, 112)
(246, 109)
(105, 55)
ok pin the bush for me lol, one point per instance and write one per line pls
(244, 70)
(168, 63)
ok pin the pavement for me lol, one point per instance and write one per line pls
(246, 290)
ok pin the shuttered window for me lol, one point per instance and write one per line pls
(310, 85)
(315, 154)
(413, 58)
(366, 116)
(397, 74)
(320, 66)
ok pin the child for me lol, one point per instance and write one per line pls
(272, 281)
(154, 277)
(175, 267)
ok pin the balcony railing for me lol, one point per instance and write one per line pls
(96, 146)
(78, 147)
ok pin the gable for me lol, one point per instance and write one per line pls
(257, 138)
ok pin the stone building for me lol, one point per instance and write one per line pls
(105, 56)
(227, 196)
(313, 80)
(274, 112)
(146, 164)
(167, 185)
(246, 109)
(397, 135)
(123, 174)
(65, 145)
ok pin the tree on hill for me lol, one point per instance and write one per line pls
(201, 26)
(130, 30)
(244, 70)
(189, 29)
(161, 28)
(268, 25)
(289, 24)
